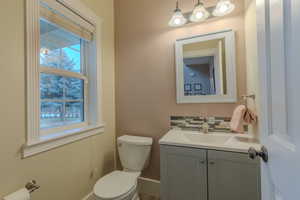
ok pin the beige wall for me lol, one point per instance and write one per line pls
(63, 173)
(145, 67)
(251, 55)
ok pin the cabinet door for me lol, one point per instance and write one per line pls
(183, 173)
(233, 176)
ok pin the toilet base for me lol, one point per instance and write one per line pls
(136, 197)
(109, 179)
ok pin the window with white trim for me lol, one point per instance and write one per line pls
(63, 74)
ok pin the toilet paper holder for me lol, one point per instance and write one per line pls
(32, 186)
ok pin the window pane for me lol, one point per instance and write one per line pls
(62, 100)
(74, 88)
(55, 114)
(51, 114)
(59, 48)
(51, 86)
(74, 112)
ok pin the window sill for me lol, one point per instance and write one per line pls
(46, 143)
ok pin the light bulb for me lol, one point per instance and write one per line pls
(177, 19)
(44, 51)
(223, 7)
(199, 13)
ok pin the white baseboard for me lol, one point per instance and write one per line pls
(88, 197)
(149, 186)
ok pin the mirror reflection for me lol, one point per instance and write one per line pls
(204, 68)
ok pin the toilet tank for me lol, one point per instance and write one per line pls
(134, 152)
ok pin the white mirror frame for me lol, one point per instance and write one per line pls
(231, 96)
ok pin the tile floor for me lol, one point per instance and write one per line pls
(147, 197)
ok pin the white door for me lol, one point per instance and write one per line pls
(279, 62)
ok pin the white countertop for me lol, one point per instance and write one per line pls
(213, 140)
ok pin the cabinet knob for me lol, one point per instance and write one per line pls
(263, 153)
(202, 162)
(212, 162)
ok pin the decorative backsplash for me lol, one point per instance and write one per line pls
(216, 124)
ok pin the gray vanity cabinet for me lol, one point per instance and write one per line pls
(200, 174)
(183, 173)
(233, 176)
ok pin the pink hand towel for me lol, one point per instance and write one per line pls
(237, 120)
(250, 117)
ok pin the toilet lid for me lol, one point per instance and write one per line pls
(136, 140)
(115, 184)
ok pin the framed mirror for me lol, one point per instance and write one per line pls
(205, 68)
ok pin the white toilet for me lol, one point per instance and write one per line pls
(134, 154)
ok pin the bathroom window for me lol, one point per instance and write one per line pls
(63, 70)
(62, 78)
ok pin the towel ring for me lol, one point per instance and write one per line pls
(245, 97)
(251, 96)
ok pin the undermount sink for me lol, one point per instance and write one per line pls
(207, 138)
(246, 140)
(212, 140)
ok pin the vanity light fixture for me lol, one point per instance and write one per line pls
(177, 19)
(199, 13)
(223, 7)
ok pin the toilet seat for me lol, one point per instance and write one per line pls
(116, 185)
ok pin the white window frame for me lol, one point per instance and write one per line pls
(37, 141)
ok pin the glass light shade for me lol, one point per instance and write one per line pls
(199, 14)
(223, 7)
(177, 19)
